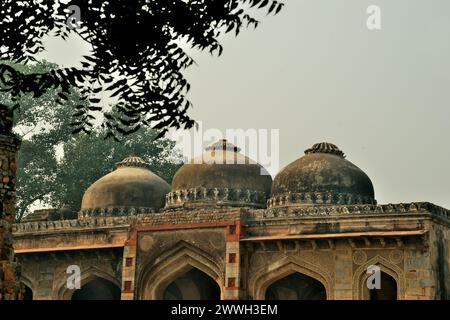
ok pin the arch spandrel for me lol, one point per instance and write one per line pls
(61, 291)
(360, 276)
(277, 270)
(182, 257)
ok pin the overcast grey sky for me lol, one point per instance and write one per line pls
(318, 74)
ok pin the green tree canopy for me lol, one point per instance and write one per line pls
(89, 157)
(56, 167)
(46, 178)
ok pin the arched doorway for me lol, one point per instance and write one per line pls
(97, 289)
(387, 291)
(192, 285)
(28, 293)
(296, 286)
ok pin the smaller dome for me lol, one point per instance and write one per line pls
(322, 176)
(220, 177)
(130, 188)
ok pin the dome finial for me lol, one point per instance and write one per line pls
(133, 160)
(325, 147)
(224, 145)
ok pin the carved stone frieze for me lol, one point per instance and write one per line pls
(208, 215)
(217, 196)
(318, 198)
(114, 211)
(342, 210)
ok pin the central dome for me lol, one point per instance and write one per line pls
(220, 177)
(321, 176)
(130, 188)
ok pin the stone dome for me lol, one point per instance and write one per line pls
(221, 177)
(322, 176)
(131, 188)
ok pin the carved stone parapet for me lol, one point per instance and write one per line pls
(318, 198)
(114, 212)
(208, 215)
(342, 210)
(221, 197)
(65, 225)
(161, 218)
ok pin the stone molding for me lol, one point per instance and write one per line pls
(217, 196)
(164, 218)
(318, 198)
(89, 223)
(207, 215)
(114, 211)
(349, 210)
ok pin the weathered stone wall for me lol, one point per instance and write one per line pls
(161, 252)
(440, 258)
(419, 276)
(46, 274)
(270, 261)
(9, 271)
(341, 265)
(410, 243)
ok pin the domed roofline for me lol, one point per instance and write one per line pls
(322, 176)
(129, 189)
(220, 177)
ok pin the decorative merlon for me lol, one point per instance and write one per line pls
(349, 210)
(216, 215)
(114, 211)
(216, 196)
(318, 198)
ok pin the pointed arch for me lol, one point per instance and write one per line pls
(26, 281)
(360, 276)
(176, 261)
(87, 275)
(29, 288)
(277, 270)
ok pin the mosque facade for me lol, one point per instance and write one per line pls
(223, 230)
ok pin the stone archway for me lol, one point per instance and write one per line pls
(192, 285)
(28, 292)
(391, 276)
(28, 288)
(101, 278)
(277, 271)
(97, 289)
(296, 286)
(388, 290)
(178, 263)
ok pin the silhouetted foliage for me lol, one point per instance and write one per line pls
(136, 54)
(55, 167)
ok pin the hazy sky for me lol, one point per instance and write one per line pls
(316, 73)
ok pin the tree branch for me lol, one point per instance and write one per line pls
(23, 208)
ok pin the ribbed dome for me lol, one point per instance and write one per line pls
(220, 177)
(130, 188)
(321, 176)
